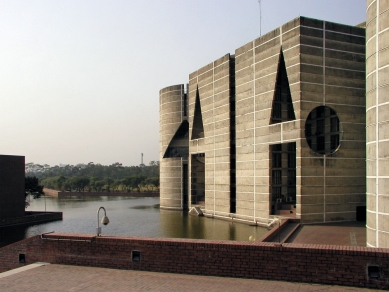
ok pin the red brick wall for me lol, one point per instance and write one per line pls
(289, 262)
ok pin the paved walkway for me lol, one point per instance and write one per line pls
(74, 278)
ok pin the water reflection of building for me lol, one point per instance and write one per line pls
(181, 225)
(278, 128)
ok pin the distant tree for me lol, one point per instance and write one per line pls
(93, 184)
(126, 183)
(49, 182)
(32, 188)
(137, 182)
(116, 171)
(116, 185)
(116, 164)
(99, 185)
(67, 185)
(79, 183)
(108, 183)
(154, 181)
(61, 182)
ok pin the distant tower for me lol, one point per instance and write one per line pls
(260, 18)
(141, 160)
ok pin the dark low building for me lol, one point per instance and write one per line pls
(12, 186)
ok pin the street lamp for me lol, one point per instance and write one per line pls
(104, 220)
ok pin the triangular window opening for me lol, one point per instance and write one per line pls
(198, 128)
(282, 110)
(177, 146)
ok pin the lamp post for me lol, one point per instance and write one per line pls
(104, 220)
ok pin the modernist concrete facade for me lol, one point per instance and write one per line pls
(173, 117)
(11, 186)
(277, 129)
(377, 122)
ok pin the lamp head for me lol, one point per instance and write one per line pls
(105, 220)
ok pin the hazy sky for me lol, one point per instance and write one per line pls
(80, 80)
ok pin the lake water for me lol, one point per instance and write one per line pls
(128, 217)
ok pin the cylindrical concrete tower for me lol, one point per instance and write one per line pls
(173, 148)
(377, 123)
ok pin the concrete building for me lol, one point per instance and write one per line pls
(173, 147)
(277, 129)
(11, 186)
(377, 122)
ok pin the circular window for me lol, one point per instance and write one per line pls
(322, 130)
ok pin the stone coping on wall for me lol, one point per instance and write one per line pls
(328, 249)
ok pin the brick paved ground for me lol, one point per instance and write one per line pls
(339, 233)
(74, 278)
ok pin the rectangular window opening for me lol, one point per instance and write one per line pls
(22, 258)
(135, 255)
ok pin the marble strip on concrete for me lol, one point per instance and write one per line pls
(22, 269)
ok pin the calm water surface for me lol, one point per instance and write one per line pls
(129, 217)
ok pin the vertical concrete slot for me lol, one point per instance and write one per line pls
(198, 179)
(283, 179)
(232, 137)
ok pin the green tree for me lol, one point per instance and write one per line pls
(32, 188)
(108, 183)
(61, 182)
(100, 172)
(154, 181)
(137, 182)
(125, 183)
(79, 183)
(99, 185)
(116, 185)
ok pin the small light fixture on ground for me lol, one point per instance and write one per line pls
(104, 220)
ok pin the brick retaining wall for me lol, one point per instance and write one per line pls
(336, 265)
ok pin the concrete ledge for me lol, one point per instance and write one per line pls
(31, 218)
(283, 231)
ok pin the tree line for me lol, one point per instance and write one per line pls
(96, 177)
